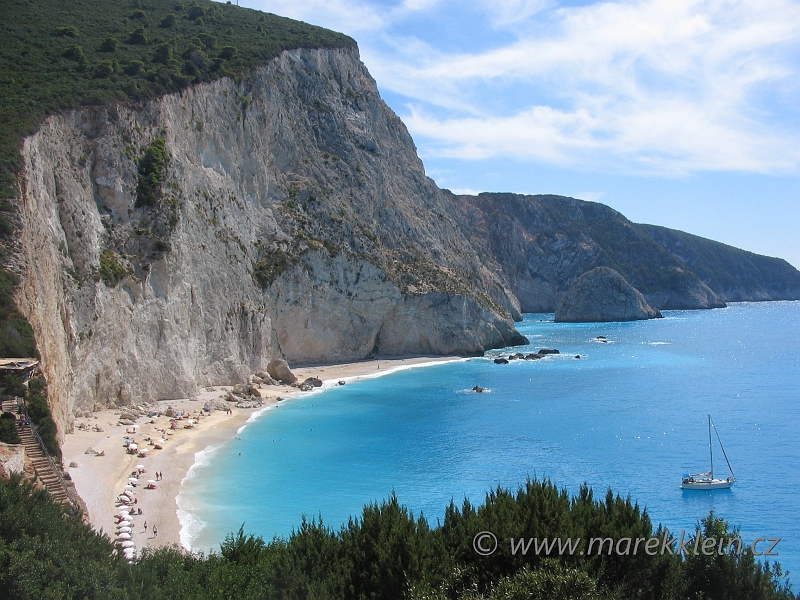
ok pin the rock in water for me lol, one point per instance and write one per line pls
(602, 294)
(279, 369)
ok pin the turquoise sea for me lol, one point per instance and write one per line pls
(629, 414)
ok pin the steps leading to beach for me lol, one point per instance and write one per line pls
(44, 469)
(45, 472)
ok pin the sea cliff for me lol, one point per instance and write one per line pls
(293, 218)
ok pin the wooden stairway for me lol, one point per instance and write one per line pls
(46, 472)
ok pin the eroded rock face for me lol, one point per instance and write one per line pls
(541, 244)
(601, 295)
(297, 224)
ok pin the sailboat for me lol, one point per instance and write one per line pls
(706, 481)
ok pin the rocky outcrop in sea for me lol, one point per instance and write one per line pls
(601, 295)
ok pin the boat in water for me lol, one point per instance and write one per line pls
(706, 481)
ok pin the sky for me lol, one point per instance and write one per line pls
(679, 113)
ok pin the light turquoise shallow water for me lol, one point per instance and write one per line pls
(630, 414)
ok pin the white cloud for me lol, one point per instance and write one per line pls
(661, 85)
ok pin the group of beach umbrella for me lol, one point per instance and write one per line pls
(124, 534)
(125, 519)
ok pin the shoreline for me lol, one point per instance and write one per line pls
(100, 479)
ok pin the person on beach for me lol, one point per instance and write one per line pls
(155, 531)
(145, 526)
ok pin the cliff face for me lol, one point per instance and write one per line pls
(735, 275)
(542, 244)
(293, 218)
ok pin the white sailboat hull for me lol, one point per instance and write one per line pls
(707, 484)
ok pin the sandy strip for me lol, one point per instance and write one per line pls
(100, 479)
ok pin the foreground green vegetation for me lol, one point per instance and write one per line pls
(386, 553)
(58, 55)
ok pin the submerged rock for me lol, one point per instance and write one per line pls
(602, 295)
(500, 361)
(544, 351)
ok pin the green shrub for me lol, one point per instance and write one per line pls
(163, 54)
(152, 167)
(13, 386)
(47, 431)
(138, 37)
(167, 21)
(37, 407)
(111, 271)
(209, 41)
(8, 429)
(68, 31)
(134, 67)
(196, 12)
(104, 69)
(271, 264)
(227, 52)
(109, 44)
(74, 52)
(37, 385)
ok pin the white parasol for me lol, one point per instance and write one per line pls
(124, 536)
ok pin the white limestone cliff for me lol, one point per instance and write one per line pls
(299, 167)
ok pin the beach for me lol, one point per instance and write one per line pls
(99, 479)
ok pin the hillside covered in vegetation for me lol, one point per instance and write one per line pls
(384, 554)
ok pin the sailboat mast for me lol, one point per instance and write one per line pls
(710, 447)
(725, 454)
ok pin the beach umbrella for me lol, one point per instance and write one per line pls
(128, 544)
(124, 529)
(124, 536)
(123, 512)
(129, 493)
(139, 466)
(129, 487)
(133, 479)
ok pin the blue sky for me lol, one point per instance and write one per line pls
(675, 112)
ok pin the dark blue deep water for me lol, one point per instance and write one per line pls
(630, 415)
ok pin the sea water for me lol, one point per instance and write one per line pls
(630, 414)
